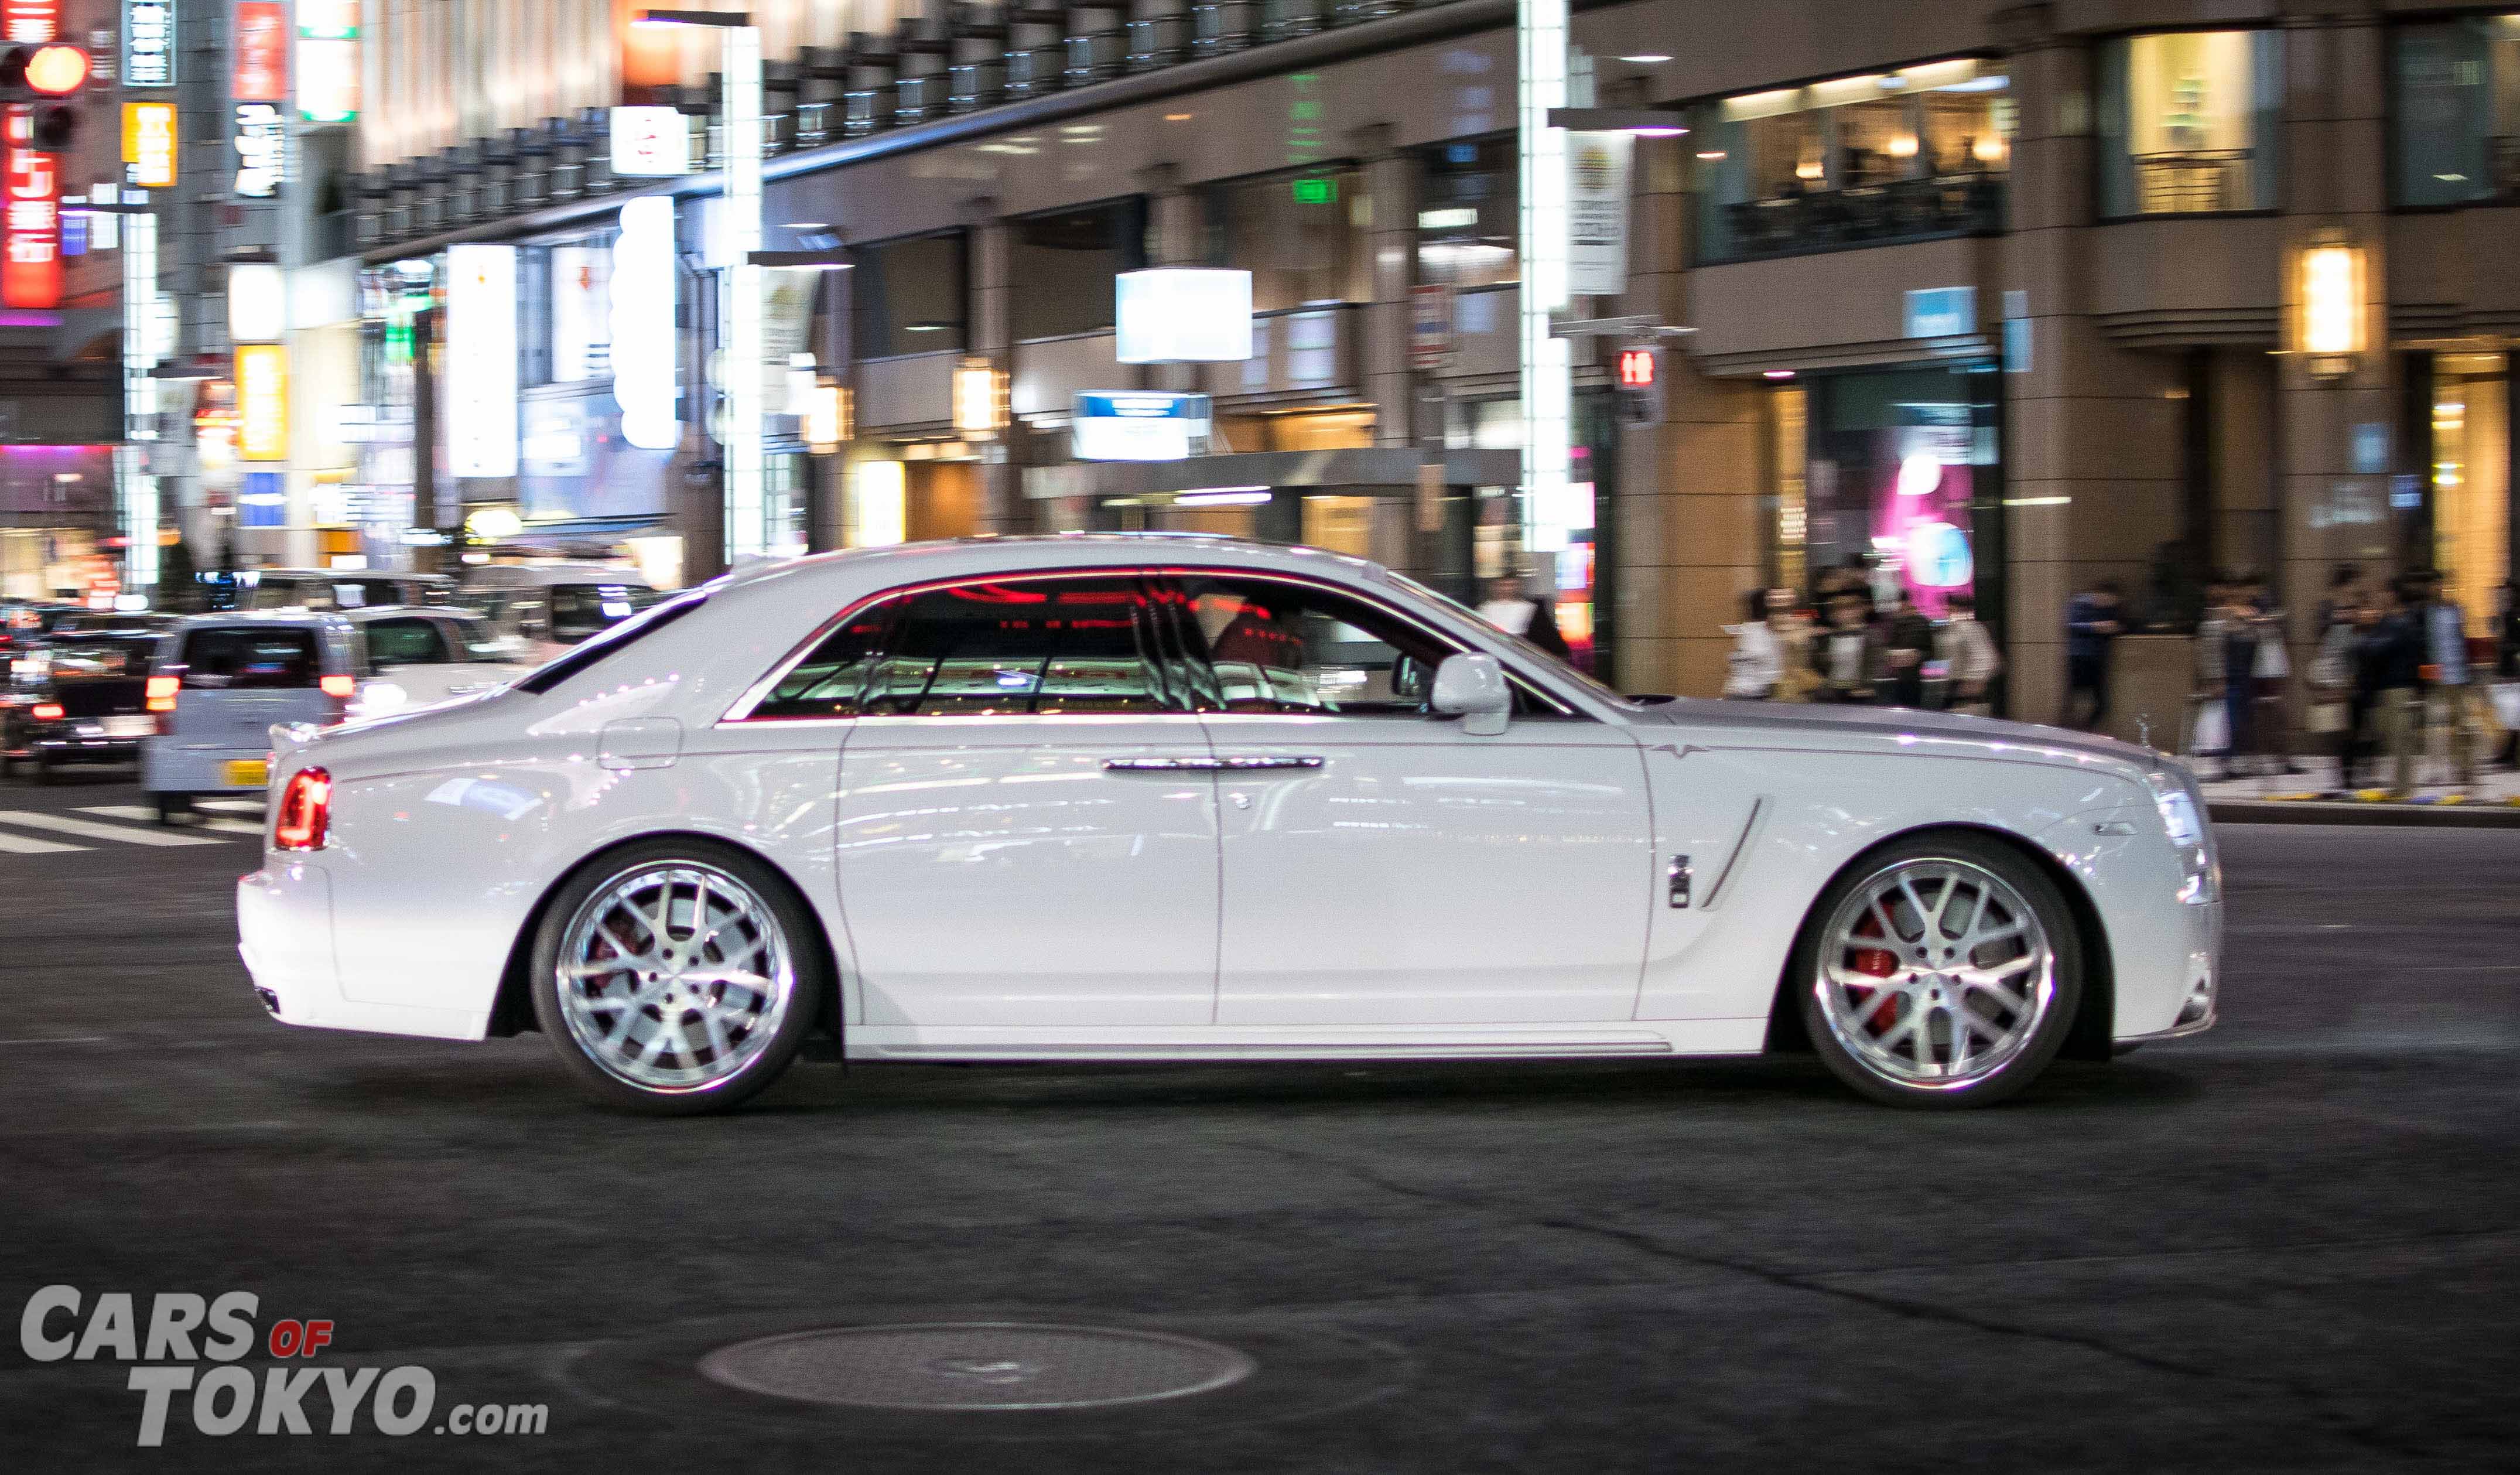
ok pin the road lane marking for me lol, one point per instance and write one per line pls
(61, 1038)
(231, 806)
(28, 845)
(91, 830)
(143, 812)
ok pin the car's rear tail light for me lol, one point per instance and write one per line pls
(47, 711)
(339, 688)
(162, 693)
(305, 811)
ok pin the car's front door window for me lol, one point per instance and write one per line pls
(1275, 646)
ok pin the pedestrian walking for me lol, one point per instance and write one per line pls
(2442, 626)
(2506, 663)
(1907, 641)
(2209, 705)
(2329, 714)
(2388, 687)
(2269, 678)
(1756, 663)
(1969, 657)
(1849, 657)
(2091, 627)
(1512, 609)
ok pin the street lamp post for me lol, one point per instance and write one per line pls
(746, 387)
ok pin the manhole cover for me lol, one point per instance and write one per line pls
(976, 1365)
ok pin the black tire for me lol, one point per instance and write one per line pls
(173, 807)
(802, 942)
(1804, 990)
(44, 769)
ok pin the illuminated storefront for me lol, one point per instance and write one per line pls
(1897, 475)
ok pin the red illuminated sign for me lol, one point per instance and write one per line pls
(30, 195)
(29, 19)
(1638, 367)
(261, 73)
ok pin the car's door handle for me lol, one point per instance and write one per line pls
(1249, 763)
(1162, 765)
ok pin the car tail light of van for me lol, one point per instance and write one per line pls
(46, 712)
(339, 688)
(304, 812)
(162, 693)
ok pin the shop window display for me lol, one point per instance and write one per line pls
(1897, 155)
(2190, 122)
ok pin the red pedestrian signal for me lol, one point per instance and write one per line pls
(1639, 368)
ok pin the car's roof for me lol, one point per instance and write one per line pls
(1068, 550)
(369, 611)
(349, 574)
(318, 617)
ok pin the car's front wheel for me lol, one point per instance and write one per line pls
(676, 977)
(1943, 971)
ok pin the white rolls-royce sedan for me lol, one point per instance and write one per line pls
(1165, 798)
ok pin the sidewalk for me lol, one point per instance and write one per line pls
(2307, 798)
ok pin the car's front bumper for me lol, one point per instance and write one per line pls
(285, 932)
(2200, 982)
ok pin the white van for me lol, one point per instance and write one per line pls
(417, 657)
(552, 606)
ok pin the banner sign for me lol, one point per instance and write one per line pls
(147, 43)
(481, 359)
(1596, 212)
(31, 193)
(261, 42)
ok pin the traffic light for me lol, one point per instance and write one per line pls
(1637, 373)
(47, 77)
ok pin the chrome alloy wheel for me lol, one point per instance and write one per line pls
(675, 977)
(1934, 974)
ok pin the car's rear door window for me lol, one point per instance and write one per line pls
(1042, 646)
(416, 641)
(225, 658)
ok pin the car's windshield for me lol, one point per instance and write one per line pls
(1555, 665)
(90, 658)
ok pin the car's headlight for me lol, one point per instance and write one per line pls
(2183, 819)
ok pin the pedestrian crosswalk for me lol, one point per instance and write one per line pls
(216, 821)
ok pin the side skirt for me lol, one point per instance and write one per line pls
(1677, 1038)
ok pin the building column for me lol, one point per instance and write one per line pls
(1390, 181)
(2092, 431)
(991, 265)
(1691, 492)
(2340, 435)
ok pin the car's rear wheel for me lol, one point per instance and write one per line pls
(676, 977)
(173, 807)
(1943, 971)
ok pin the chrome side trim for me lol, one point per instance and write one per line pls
(1740, 847)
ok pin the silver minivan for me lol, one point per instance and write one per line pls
(220, 683)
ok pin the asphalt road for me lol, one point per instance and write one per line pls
(2288, 1245)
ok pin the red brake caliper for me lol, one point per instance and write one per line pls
(1879, 963)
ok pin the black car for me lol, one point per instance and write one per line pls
(81, 695)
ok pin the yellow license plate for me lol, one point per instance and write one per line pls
(248, 773)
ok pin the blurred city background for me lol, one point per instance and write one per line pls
(1985, 306)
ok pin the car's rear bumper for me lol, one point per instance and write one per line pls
(73, 747)
(169, 766)
(285, 934)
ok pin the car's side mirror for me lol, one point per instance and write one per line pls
(1473, 688)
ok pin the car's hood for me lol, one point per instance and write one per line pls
(1787, 722)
